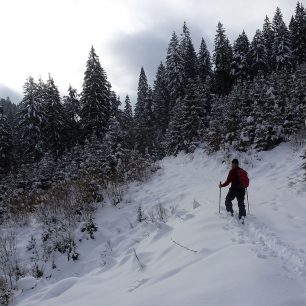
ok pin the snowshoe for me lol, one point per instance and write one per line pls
(241, 220)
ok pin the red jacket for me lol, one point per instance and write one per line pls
(234, 178)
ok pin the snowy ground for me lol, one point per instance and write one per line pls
(224, 263)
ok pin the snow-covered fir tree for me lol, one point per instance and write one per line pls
(245, 132)
(32, 117)
(6, 143)
(128, 111)
(213, 136)
(232, 118)
(281, 52)
(268, 37)
(72, 117)
(222, 58)
(95, 99)
(174, 69)
(268, 131)
(204, 99)
(186, 127)
(142, 93)
(189, 57)
(94, 165)
(297, 30)
(174, 139)
(41, 90)
(115, 106)
(144, 116)
(161, 102)
(54, 125)
(10, 110)
(128, 124)
(295, 108)
(152, 144)
(258, 55)
(240, 62)
(204, 62)
(118, 150)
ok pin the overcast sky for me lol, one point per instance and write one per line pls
(42, 36)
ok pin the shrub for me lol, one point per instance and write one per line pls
(5, 292)
(10, 266)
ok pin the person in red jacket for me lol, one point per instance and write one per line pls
(236, 190)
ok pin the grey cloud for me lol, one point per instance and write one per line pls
(6, 91)
(147, 48)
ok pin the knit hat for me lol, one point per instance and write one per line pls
(235, 161)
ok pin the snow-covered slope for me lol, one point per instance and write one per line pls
(196, 257)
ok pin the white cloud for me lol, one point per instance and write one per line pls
(40, 36)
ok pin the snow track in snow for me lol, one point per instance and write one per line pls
(267, 244)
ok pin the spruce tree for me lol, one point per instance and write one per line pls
(189, 57)
(214, 135)
(116, 150)
(186, 127)
(258, 55)
(253, 107)
(128, 125)
(240, 62)
(232, 118)
(251, 96)
(174, 71)
(174, 138)
(204, 100)
(282, 55)
(128, 112)
(95, 99)
(142, 94)
(204, 62)
(297, 29)
(193, 127)
(41, 90)
(72, 117)
(115, 106)
(295, 108)
(54, 125)
(10, 111)
(222, 59)
(72, 104)
(6, 143)
(268, 132)
(151, 143)
(268, 36)
(94, 164)
(31, 122)
(144, 116)
(161, 102)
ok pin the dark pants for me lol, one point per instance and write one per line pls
(238, 193)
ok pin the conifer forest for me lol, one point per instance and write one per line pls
(247, 95)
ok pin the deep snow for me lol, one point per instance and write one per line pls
(196, 257)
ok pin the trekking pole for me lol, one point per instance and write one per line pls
(219, 199)
(248, 200)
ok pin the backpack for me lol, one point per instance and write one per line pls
(244, 179)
